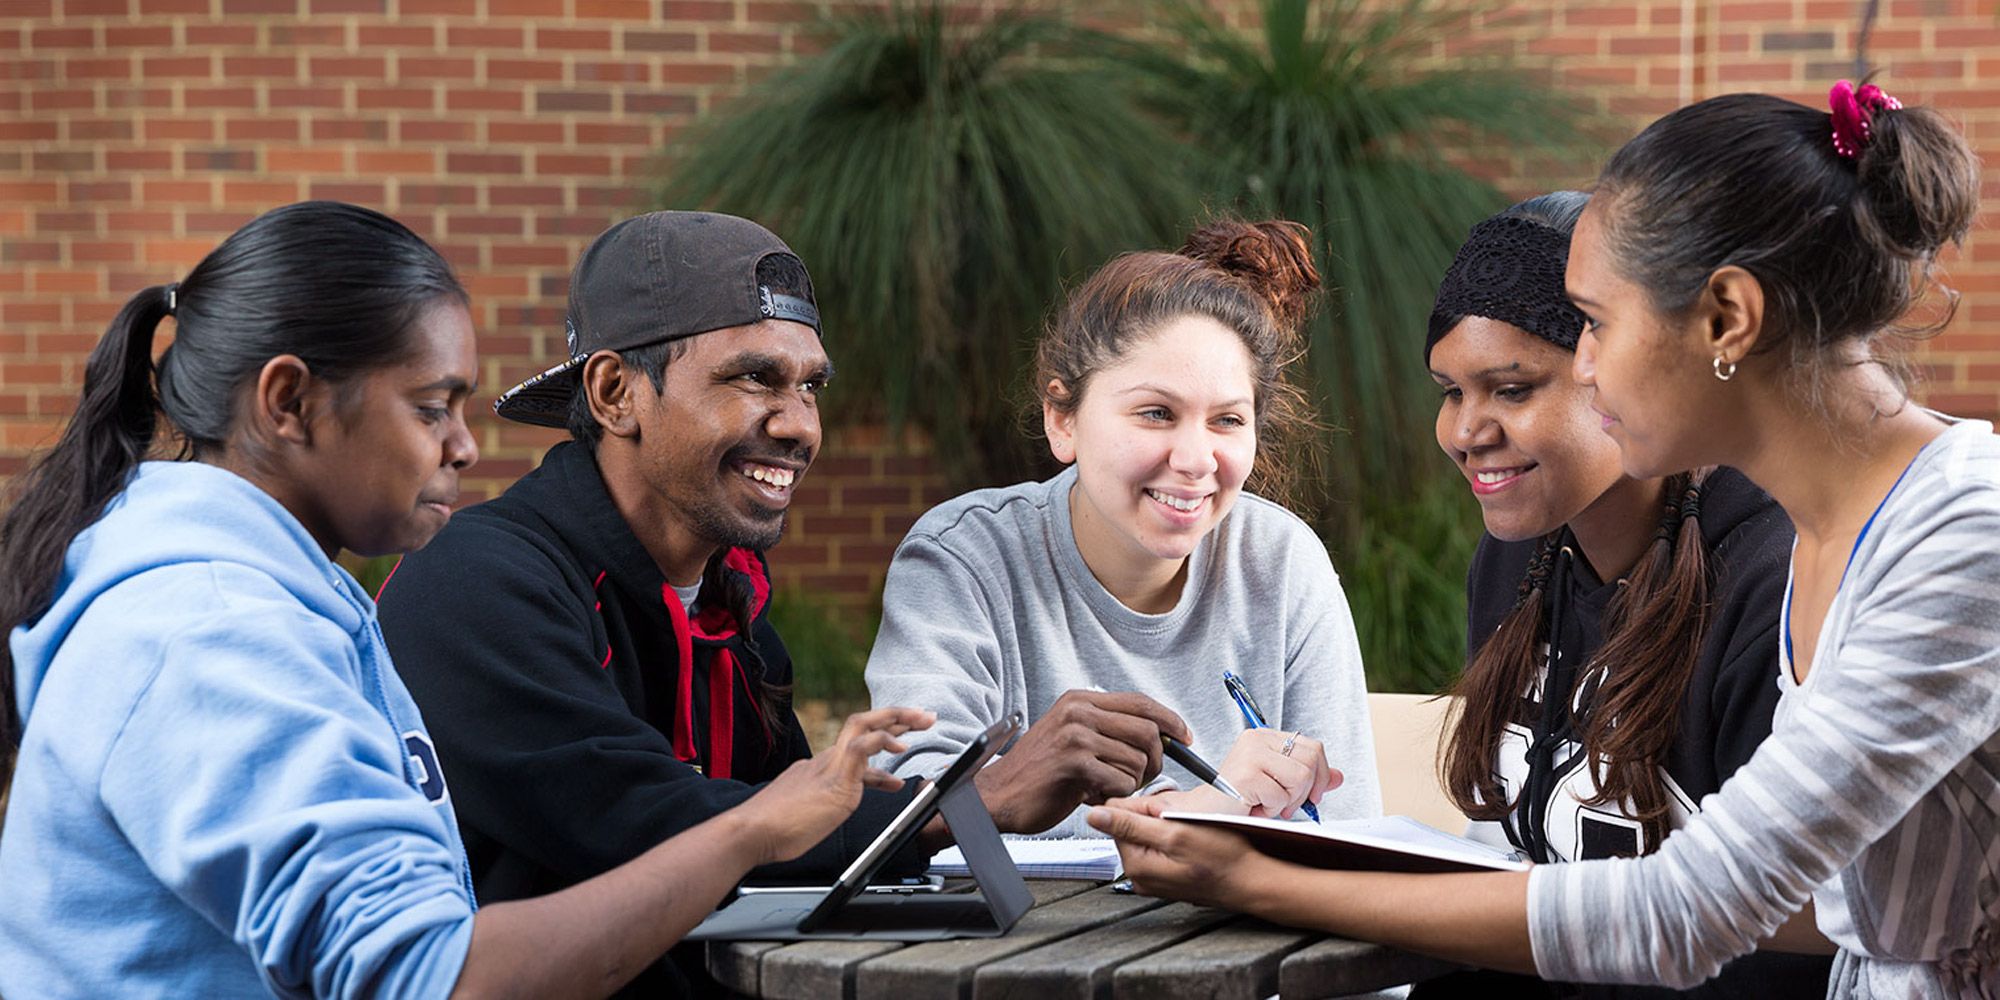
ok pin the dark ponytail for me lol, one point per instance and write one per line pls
(1653, 633)
(1919, 185)
(65, 491)
(1844, 248)
(1489, 692)
(336, 285)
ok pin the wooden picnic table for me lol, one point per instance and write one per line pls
(1084, 941)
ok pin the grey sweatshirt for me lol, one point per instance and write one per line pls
(1877, 794)
(989, 608)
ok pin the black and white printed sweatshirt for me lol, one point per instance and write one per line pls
(1724, 715)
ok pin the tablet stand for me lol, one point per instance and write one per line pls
(986, 855)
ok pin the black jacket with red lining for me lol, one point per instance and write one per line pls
(580, 718)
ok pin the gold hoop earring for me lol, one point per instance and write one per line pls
(1724, 370)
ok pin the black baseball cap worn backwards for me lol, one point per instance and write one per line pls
(653, 278)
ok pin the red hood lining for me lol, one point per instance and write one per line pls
(716, 624)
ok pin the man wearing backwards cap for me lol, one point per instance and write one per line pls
(590, 650)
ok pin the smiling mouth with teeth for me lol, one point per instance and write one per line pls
(1176, 502)
(1496, 476)
(769, 475)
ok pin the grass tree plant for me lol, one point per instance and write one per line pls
(945, 171)
(1348, 116)
(942, 175)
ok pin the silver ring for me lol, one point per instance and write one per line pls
(1290, 742)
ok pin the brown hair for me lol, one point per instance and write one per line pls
(1256, 278)
(1653, 631)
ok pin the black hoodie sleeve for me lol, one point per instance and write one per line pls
(497, 638)
(876, 811)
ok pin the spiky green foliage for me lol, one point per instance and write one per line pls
(1405, 582)
(1338, 114)
(941, 177)
(828, 644)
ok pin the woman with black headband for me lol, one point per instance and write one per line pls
(1648, 603)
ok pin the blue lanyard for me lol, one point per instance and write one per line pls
(1851, 553)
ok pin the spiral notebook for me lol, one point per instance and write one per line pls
(1094, 859)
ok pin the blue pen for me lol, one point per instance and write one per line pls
(1240, 693)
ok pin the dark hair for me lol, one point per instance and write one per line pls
(781, 273)
(1257, 279)
(1843, 248)
(1653, 631)
(336, 285)
(1557, 210)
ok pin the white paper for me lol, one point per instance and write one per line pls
(1078, 858)
(1397, 833)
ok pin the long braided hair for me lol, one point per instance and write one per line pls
(1653, 632)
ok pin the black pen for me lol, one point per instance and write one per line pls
(1185, 757)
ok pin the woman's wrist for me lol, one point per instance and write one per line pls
(1254, 882)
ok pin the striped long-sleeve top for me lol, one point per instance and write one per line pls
(1877, 794)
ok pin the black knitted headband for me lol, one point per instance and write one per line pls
(1510, 269)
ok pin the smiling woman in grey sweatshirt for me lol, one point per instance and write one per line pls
(1145, 567)
(990, 609)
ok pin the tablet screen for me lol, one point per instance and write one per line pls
(914, 816)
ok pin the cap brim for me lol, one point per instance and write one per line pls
(544, 399)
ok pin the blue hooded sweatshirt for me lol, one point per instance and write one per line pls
(224, 790)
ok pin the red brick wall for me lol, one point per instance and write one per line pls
(134, 134)
(860, 498)
(1639, 59)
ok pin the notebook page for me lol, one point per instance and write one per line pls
(1094, 859)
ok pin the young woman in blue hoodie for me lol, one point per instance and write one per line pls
(219, 786)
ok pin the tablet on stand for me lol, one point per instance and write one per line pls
(843, 912)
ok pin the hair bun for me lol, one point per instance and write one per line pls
(1273, 257)
(1919, 180)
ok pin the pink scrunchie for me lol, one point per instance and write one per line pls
(1854, 115)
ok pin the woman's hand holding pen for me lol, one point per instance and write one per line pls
(1200, 798)
(813, 796)
(1277, 771)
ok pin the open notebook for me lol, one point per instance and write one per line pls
(1388, 843)
(1095, 859)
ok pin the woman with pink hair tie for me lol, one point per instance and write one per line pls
(1737, 267)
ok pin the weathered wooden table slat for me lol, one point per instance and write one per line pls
(1081, 941)
(738, 965)
(1339, 966)
(945, 968)
(1237, 962)
(1075, 967)
(819, 969)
